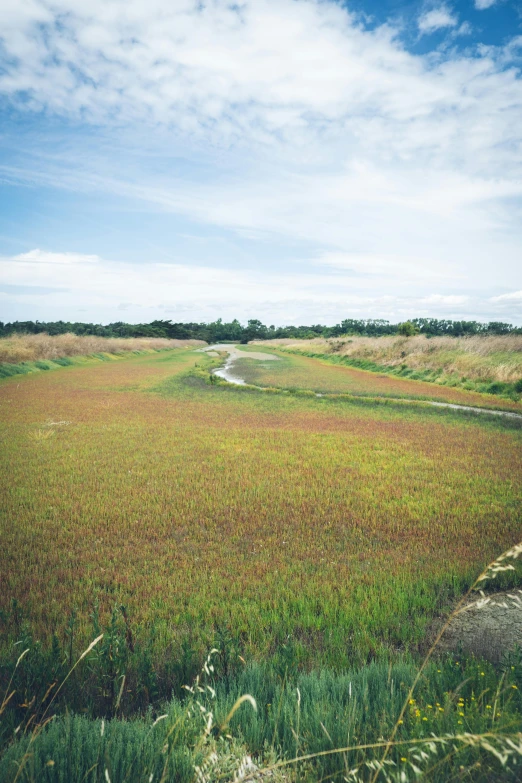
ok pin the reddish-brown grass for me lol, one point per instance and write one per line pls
(195, 504)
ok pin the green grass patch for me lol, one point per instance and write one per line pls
(295, 716)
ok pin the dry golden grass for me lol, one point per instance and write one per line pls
(479, 358)
(34, 347)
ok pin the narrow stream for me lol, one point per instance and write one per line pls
(229, 373)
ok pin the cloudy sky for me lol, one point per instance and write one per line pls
(296, 161)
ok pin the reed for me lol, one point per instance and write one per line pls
(482, 359)
(37, 347)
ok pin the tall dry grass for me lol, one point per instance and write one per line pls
(34, 347)
(479, 358)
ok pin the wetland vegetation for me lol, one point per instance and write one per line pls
(314, 542)
(487, 364)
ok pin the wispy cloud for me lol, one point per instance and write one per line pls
(514, 296)
(262, 72)
(482, 5)
(38, 257)
(437, 19)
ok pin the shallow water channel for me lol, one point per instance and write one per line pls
(229, 372)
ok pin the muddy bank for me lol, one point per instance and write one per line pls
(474, 410)
(486, 629)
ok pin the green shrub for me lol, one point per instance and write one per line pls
(497, 388)
(7, 370)
(64, 361)
(407, 329)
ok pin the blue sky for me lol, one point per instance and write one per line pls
(296, 161)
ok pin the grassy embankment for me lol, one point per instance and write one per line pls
(24, 353)
(490, 365)
(301, 531)
(325, 376)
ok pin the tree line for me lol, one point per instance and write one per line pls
(219, 331)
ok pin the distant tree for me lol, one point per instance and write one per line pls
(407, 329)
(218, 331)
(255, 330)
(498, 327)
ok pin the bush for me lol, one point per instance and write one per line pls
(496, 388)
(407, 329)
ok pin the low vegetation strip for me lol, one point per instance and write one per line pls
(471, 710)
(490, 364)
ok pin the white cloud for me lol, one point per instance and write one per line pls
(190, 292)
(515, 296)
(387, 266)
(441, 299)
(38, 256)
(481, 5)
(401, 174)
(464, 29)
(272, 70)
(436, 19)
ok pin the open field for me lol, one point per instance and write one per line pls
(136, 483)
(302, 372)
(307, 532)
(473, 363)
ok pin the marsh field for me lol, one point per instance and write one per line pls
(313, 526)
